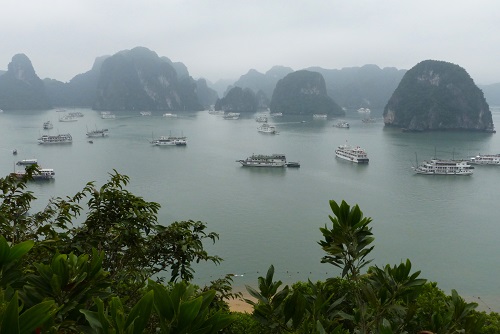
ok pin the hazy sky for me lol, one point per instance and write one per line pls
(223, 39)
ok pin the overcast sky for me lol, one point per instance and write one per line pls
(223, 39)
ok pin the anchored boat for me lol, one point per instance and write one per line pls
(262, 160)
(444, 167)
(352, 153)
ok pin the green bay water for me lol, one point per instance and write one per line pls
(446, 225)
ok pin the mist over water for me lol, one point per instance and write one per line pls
(447, 226)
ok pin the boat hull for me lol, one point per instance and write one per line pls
(352, 159)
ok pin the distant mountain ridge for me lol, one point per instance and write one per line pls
(136, 79)
(351, 88)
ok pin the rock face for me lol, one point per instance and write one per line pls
(206, 95)
(21, 88)
(303, 92)
(80, 91)
(263, 83)
(238, 100)
(437, 95)
(138, 79)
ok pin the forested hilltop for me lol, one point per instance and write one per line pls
(85, 263)
(437, 95)
(303, 92)
(21, 88)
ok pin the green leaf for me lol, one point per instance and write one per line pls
(10, 323)
(20, 249)
(188, 312)
(139, 315)
(164, 305)
(36, 316)
(93, 320)
(254, 293)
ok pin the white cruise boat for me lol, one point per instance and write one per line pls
(267, 128)
(67, 118)
(48, 125)
(107, 115)
(97, 133)
(342, 124)
(364, 110)
(42, 174)
(353, 154)
(444, 167)
(216, 112)
(232, 115)
(261, 119)
(26, 162)
(276, 114)
(485, 159)
(58, 139)
(261, 160)
(170, 141)
(320, 116)
(170, 115)
(145, 113)
(75, 114)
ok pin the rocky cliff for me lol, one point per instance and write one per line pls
(238, 100)
(21, 88)
(303, 92)
(437, 95)
(138, 79)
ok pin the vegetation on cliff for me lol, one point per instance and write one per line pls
(238, 100)
(437, 95)
(303, 92)
(138, 79)
(21, 88)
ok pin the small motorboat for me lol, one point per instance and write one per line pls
(14, 151)
(91, 141)
(293, 164)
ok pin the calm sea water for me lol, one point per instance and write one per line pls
(447, 226)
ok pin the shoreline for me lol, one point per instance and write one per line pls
(238, 304)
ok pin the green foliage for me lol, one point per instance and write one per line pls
(245, 323)
(178, 245)
(268, 309)
(491, 323)
(458, 316)
(71, 282)
(348, 240)
(388, 297)
(16, 320)
(182, 310)
(10, 261)
(115, 319)
(307, 309)
(14, 207)
(117, 223)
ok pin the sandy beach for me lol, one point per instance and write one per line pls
(239, 305)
